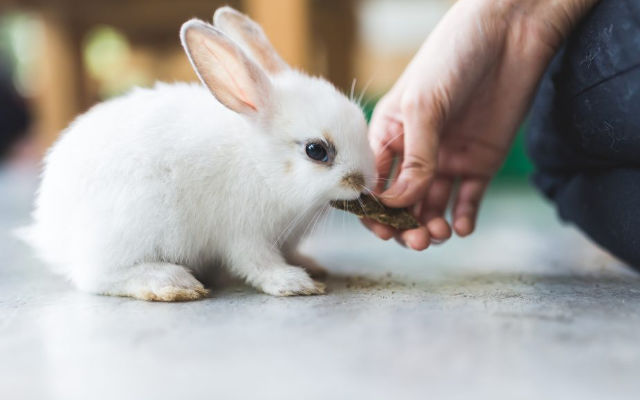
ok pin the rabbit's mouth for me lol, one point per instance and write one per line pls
(354, 180)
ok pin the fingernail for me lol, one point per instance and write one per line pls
(395, 128)
(396, 190)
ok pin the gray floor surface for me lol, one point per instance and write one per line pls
(524, 309)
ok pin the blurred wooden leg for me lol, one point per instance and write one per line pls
(61, 77)
(287, 24)
(334, 32)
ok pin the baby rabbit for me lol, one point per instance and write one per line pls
(144, 192)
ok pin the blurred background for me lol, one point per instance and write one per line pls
(524, 309)
(58, 57)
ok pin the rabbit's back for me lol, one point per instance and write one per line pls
(129, 177)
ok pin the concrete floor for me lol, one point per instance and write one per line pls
(524, 309)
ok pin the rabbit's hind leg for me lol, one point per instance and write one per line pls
(157, 282)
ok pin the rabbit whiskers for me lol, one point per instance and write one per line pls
(292, 225)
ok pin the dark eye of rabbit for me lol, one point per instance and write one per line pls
(317, 152)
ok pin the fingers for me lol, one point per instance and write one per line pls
(385, 137)
(382, 231)
(439, 230)
(467, 203)
(434, 228)
(384, 162)
(421, 140)
(416, 239)
(410, 131)
(434, 208)
(387, 142)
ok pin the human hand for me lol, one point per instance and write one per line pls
(452, 115)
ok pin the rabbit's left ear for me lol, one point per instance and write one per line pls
(234, 79)
(250, 36)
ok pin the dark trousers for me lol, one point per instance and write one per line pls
(584, 129)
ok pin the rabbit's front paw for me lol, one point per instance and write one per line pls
(290, 281)
(313, 269)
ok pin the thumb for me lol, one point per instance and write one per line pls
(420, 156)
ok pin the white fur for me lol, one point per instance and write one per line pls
(144, 189)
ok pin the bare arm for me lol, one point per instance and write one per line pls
(454, 112)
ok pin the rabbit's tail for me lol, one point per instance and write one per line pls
(26, 234)
(29, 235)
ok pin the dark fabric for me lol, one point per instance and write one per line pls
(584, 129)
(14, 116)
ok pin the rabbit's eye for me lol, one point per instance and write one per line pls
(317, 152)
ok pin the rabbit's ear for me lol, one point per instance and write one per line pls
(234, 79)
(248, 34)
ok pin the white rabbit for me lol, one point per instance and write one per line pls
(145, 191)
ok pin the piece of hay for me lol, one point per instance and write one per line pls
(369, 207)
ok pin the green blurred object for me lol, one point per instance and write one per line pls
(19, 37)
(108, 57)
(517, 166)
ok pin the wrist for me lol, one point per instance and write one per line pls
(548, 21)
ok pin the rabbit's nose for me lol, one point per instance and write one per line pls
(354, 180)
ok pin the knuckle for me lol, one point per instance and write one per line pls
(413, 103)
(383, 107)
(435, 102)
(419, 166)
